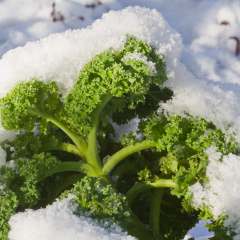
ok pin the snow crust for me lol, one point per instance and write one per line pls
(60, 57)
(57, 221)
(221, 193)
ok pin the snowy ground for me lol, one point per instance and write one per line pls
(207, 83)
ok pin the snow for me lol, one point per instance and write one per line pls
(57, 221)
(48, 60)
(36, 19)
(221, 193)
(199, 232)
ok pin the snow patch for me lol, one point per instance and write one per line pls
(60, 57)
(221, 193)
(57, 221)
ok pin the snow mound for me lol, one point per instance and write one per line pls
(221, 194)
(60, 57)
(57, 221)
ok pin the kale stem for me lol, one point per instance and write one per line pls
(124, 153)
(64, 167)
(92, 151)
(163, 183)
(155, 209)
(77, 140)
(70, 148)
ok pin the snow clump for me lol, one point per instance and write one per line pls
(58, 221)
(221, 193)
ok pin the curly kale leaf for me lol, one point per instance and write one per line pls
(122, 76)
(24, 176)
(27, 103)
(32, 171)
(194, 134)
(99, 199)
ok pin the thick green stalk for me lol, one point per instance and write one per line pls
(155, 209)
(163, 183)
(92, 155)
(64, 167)
(77, 140)
(124, 153)
(68, 147)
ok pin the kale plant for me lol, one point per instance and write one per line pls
(67, 145)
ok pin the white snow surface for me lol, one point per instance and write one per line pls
(221, 193)
(57, 221)
(60, 57)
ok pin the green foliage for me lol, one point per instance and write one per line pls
(31, 171)
(24, 177)
(8, 206)
(185, 134)
(27, 104)
(113, 74)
